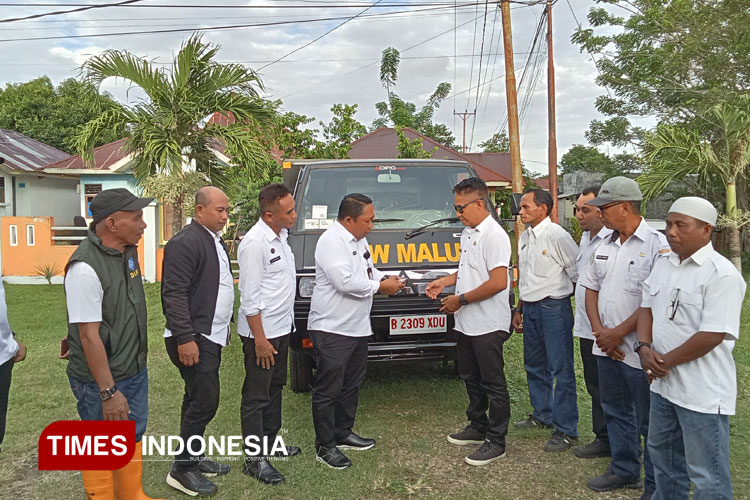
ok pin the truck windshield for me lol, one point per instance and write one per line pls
(407, 196)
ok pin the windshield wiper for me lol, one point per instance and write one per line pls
(427, 226)
(388, 220)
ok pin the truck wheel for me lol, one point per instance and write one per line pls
(300, 371)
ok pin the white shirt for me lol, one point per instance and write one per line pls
(342, 296)
(585, 257)
(83, 294)
(617, 273)
(268, 279)
(219, 333)
(547, 262)
(483, 249)
(8, 345)
(709, 291)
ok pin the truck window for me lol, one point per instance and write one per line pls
(413, 195)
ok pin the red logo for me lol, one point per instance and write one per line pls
(86, 445)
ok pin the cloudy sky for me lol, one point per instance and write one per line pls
(438, 43)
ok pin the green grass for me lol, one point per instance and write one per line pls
(408, 408)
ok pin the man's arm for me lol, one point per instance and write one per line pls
(698, 345)
(496, 283)
(338, 267)
(179, 268)
(567, 253)
(592, 311)
(116, 407)
(251, 261)
(436, 286)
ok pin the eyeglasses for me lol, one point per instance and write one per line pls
(609, 205)
(460, 208)
(672, 308)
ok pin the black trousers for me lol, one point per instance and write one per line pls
(201, 399)
(341, 367)
(260, 410)
(591, 378)
(481, 367)
(6, 371)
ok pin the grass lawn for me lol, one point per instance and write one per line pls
(408, 408)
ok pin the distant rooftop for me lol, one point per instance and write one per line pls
(24, 154)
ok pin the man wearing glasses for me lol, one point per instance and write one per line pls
(547, 261)
(594, 233)
(689, 323)
(614, 282)
(339, 324)
(482, 313)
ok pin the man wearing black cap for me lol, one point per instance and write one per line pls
(107, 331)
(197, 296)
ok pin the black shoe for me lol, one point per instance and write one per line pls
(610, 481)
(209, 468)
(559, 441)
(646, 495)
(354, 442)
(262, 470)
(291, 451)
(531, 423)
(595, 449)
(191, 482)
(487, 453)
(467, 436)
(332, 457)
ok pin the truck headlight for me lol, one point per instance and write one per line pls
(306, 286)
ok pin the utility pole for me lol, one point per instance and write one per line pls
(510, 92)
(464, 116)
(551, 120)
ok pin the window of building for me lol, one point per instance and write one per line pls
(30, 235)
(90, 191)
(2, 189)
(13, 235)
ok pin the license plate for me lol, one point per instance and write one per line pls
(407, 325)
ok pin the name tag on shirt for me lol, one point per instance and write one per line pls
(275, 259)
(602, 257)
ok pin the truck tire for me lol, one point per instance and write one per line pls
(300, 371)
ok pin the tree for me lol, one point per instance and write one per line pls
(400, 113)
(498, 143)
(588, 159)
(51, 114)
(411, 148)
(339, 134)
(165, 132)
(717, 149)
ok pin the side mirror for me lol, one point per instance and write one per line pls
(515, 203)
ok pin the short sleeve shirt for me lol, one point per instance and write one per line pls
(585, 258)
(617, 273)
(483, 249)
(703, 293)
(84, 294)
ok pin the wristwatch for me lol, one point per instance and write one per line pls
(638, 344)
(106, 394)
(463, 300)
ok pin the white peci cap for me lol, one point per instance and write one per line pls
(695, 207)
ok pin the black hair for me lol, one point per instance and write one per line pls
(353, 205)
(270, 195)
(542, 197)
(591, 190)
(472, 185)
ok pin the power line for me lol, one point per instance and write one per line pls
(321, 36)
(62, 12)
(479, 74)
(209, 28)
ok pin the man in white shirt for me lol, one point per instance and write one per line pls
(547, 273)
(268, 280)
(198, 301)
(339, 323)
(688, 325)
(11, 352)
(614, 281)
(482, 314)
(590, 220)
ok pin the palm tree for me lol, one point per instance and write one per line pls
(718, 150)
(167, 134)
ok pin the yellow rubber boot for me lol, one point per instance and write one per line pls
(98, 484)
(128, 484)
